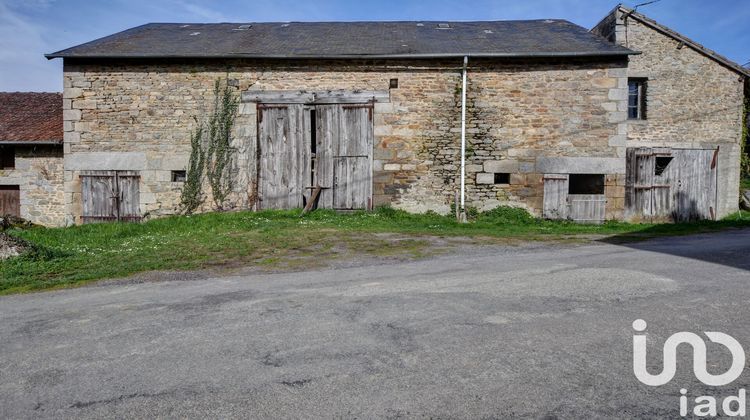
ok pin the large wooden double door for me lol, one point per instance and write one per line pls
(302, 147)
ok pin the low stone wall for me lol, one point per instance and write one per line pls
(39, 174)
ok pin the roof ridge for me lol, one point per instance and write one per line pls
(687, 41)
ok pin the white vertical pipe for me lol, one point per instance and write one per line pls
(463, 136)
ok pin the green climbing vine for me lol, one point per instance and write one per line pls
(219, 150)
(744, 151)
(192, 195)
(211, 153)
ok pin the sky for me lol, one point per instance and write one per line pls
(31, 28)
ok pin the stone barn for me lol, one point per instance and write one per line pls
(542, 114)
(31, 157)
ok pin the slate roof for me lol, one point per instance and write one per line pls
(31, 117)
(526, 38)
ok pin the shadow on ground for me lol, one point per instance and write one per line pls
(730, 247)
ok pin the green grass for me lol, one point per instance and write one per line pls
(745, 184)
(279, 239)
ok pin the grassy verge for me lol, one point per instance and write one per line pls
(745, 184)
(68, 256)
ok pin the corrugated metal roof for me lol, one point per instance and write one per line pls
(528, 38)
(31, 117)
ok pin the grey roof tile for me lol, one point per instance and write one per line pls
(528, 38)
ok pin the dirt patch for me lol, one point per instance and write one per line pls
(11, 247)
(349, 251)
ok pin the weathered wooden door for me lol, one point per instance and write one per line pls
(679, 184)
(327, 123)
(555, 196)
(109, 196)
(639, 181)
(344, 135)
(352, 183)
(693, 175)
(128, 191)
(284, 146)
(10, 200)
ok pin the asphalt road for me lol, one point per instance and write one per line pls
(542, 332)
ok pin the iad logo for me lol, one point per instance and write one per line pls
(705, 405)
(699, 357)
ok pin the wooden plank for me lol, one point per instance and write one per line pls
(278, 96)
(10, 200)
(587, 208)
(327, 135)
(351, 97)
(311, 201)
(555, 196)
(322, 97)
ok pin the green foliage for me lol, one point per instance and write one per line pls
(192, 195)
(219, 149)
(744, 151)
(506, 215)
(211, 153)
(278, 239)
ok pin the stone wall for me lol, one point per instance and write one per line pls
(522, 117)
(39, 174)
(693, 101)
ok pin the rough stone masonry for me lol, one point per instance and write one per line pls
(139, 117)
(525, 118)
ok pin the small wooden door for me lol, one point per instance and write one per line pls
(284, 147)
(10, 200)
(109, 196)
(555, 196)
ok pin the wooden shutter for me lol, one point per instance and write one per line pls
(129, 196)
(99, 196)
(555, 196)
(284, 171)
(109, 196)
(10, 200)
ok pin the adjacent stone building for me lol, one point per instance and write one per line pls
(692, 96)
(31, 157)
(557, 118)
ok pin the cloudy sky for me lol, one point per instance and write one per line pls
(30, 28)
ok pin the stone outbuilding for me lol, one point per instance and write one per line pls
(31, 157)
(624, 121)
